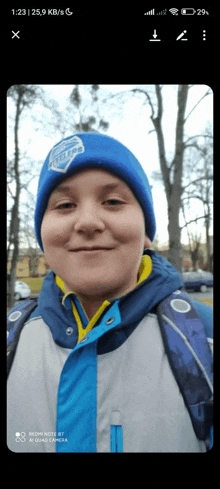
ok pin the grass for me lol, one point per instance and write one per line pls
(34, 283)
(208, 301)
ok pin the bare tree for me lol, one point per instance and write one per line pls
(23, 97)
(28, 241)
(200, 187)
(195, 243)
(172, 172)
(86, 122)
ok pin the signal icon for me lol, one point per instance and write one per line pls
(174, 11)
(150, 12)
(163, 12)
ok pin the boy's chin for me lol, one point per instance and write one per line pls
(94, 291)
(97, 292)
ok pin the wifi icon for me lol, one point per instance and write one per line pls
(174, 11)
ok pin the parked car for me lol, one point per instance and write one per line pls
(198, 281)
(22, 290)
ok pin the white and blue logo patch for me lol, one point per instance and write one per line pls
(63, 154)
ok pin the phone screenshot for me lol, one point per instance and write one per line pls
(109, 118)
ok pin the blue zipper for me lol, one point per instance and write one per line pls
(211, 438)
(116, 439)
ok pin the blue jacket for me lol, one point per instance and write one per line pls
(112, 391)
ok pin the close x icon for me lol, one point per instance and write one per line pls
(15, 34)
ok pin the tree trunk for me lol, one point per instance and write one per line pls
(33, 261)
(14, 226)
(175, 251)
(173, 188)
(208, 250)
(23, 96)
(174, 197)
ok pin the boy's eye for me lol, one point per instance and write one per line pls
(108, 203)
(113, 202)
(65, 205)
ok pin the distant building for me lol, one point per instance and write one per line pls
(29, 265)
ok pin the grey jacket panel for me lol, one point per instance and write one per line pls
(136, 382)
(135, 388)
(32, 390)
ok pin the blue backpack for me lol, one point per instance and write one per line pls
(190, 359)
(185, 344)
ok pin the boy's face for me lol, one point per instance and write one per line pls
(93, 234)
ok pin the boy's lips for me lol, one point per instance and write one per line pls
(91, 248)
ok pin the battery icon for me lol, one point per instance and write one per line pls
(188, 11)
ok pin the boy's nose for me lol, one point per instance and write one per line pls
(89, 221)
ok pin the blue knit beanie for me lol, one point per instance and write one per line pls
(93, 150)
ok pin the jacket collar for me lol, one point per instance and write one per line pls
(162, 280)
(84, 325)
(144, 271)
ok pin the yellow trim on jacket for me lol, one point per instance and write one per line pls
(144, 272)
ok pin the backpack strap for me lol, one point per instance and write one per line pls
(16, 319)
(190, 358)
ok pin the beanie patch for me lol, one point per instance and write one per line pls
(64, 153)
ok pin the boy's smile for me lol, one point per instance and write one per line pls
(93, 234)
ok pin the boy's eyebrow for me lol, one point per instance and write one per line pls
(62, 188)
(108, 186)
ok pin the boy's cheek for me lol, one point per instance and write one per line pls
(52, 232)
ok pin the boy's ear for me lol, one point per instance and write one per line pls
(147, 242)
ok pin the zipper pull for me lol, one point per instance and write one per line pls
(116, 433)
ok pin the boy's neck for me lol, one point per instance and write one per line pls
(92, 304)
(91, 308)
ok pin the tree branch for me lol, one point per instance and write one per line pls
(179, 147)
(161, 145)
(205, 95)
(193, 145)
(135, 90)
(194, 220)
(199, 197)
(199, 136)
(198, 180)
(158, 89)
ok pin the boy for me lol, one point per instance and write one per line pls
(90, 372)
